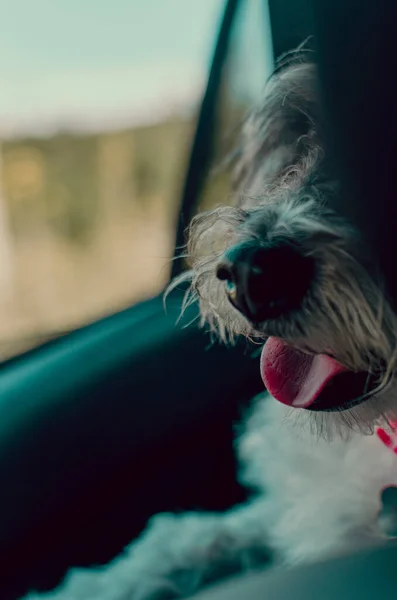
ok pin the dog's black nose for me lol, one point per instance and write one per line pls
(265, 283)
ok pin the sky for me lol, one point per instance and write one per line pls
(93, 63)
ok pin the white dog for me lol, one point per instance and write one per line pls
(282, 269)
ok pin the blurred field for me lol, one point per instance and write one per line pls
(87, 222)
(86, 226)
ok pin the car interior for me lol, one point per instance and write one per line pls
(135, 414)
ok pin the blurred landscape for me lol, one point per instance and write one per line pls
(87, 224)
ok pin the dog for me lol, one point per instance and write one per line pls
(317, 449)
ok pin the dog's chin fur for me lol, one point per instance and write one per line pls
(322, 498)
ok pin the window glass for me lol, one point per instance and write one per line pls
(97, 111)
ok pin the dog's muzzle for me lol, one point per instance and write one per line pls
(265, 282)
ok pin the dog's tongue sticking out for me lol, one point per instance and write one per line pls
(295, 378)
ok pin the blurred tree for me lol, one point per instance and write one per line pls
(72, 186)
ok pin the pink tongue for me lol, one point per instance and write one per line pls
(295, 378)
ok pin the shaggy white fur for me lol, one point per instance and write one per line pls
(314, 499)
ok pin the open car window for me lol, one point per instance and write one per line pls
(96, 121)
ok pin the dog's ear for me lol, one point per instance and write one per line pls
(279, 132)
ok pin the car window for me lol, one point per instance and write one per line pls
(98, 106)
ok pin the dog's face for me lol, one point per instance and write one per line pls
(280, 267)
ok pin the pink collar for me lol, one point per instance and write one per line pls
(388, 439)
